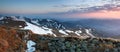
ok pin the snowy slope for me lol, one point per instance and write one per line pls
(38, 30)
(47, 26)
(47, 31)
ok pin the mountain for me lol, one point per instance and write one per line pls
(102, 27)
(23, 40)
(97, 27)
(46, 27)
(19, 34)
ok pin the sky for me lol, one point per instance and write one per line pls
(63, 8)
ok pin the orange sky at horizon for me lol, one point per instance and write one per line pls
(100, 14)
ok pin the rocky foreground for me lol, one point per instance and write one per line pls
(16, 40)
(74, 44)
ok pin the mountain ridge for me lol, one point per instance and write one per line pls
(48, 26)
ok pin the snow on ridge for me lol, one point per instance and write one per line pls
(36, 22)
(69, 31)
(37, 30)
(13, 18)
(1, 18)
(45, 31)
(78, 32)
(49, 20)
(88, 32)
(63, 32)
(46, 28)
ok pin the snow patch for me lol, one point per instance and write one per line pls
(69, 31)
(30, 45)
(63, 32)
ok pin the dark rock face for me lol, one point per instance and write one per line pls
(73, 44)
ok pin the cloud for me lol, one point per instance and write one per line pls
(111, 8)
(104, 11)
(63, 5)
(106, 7)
